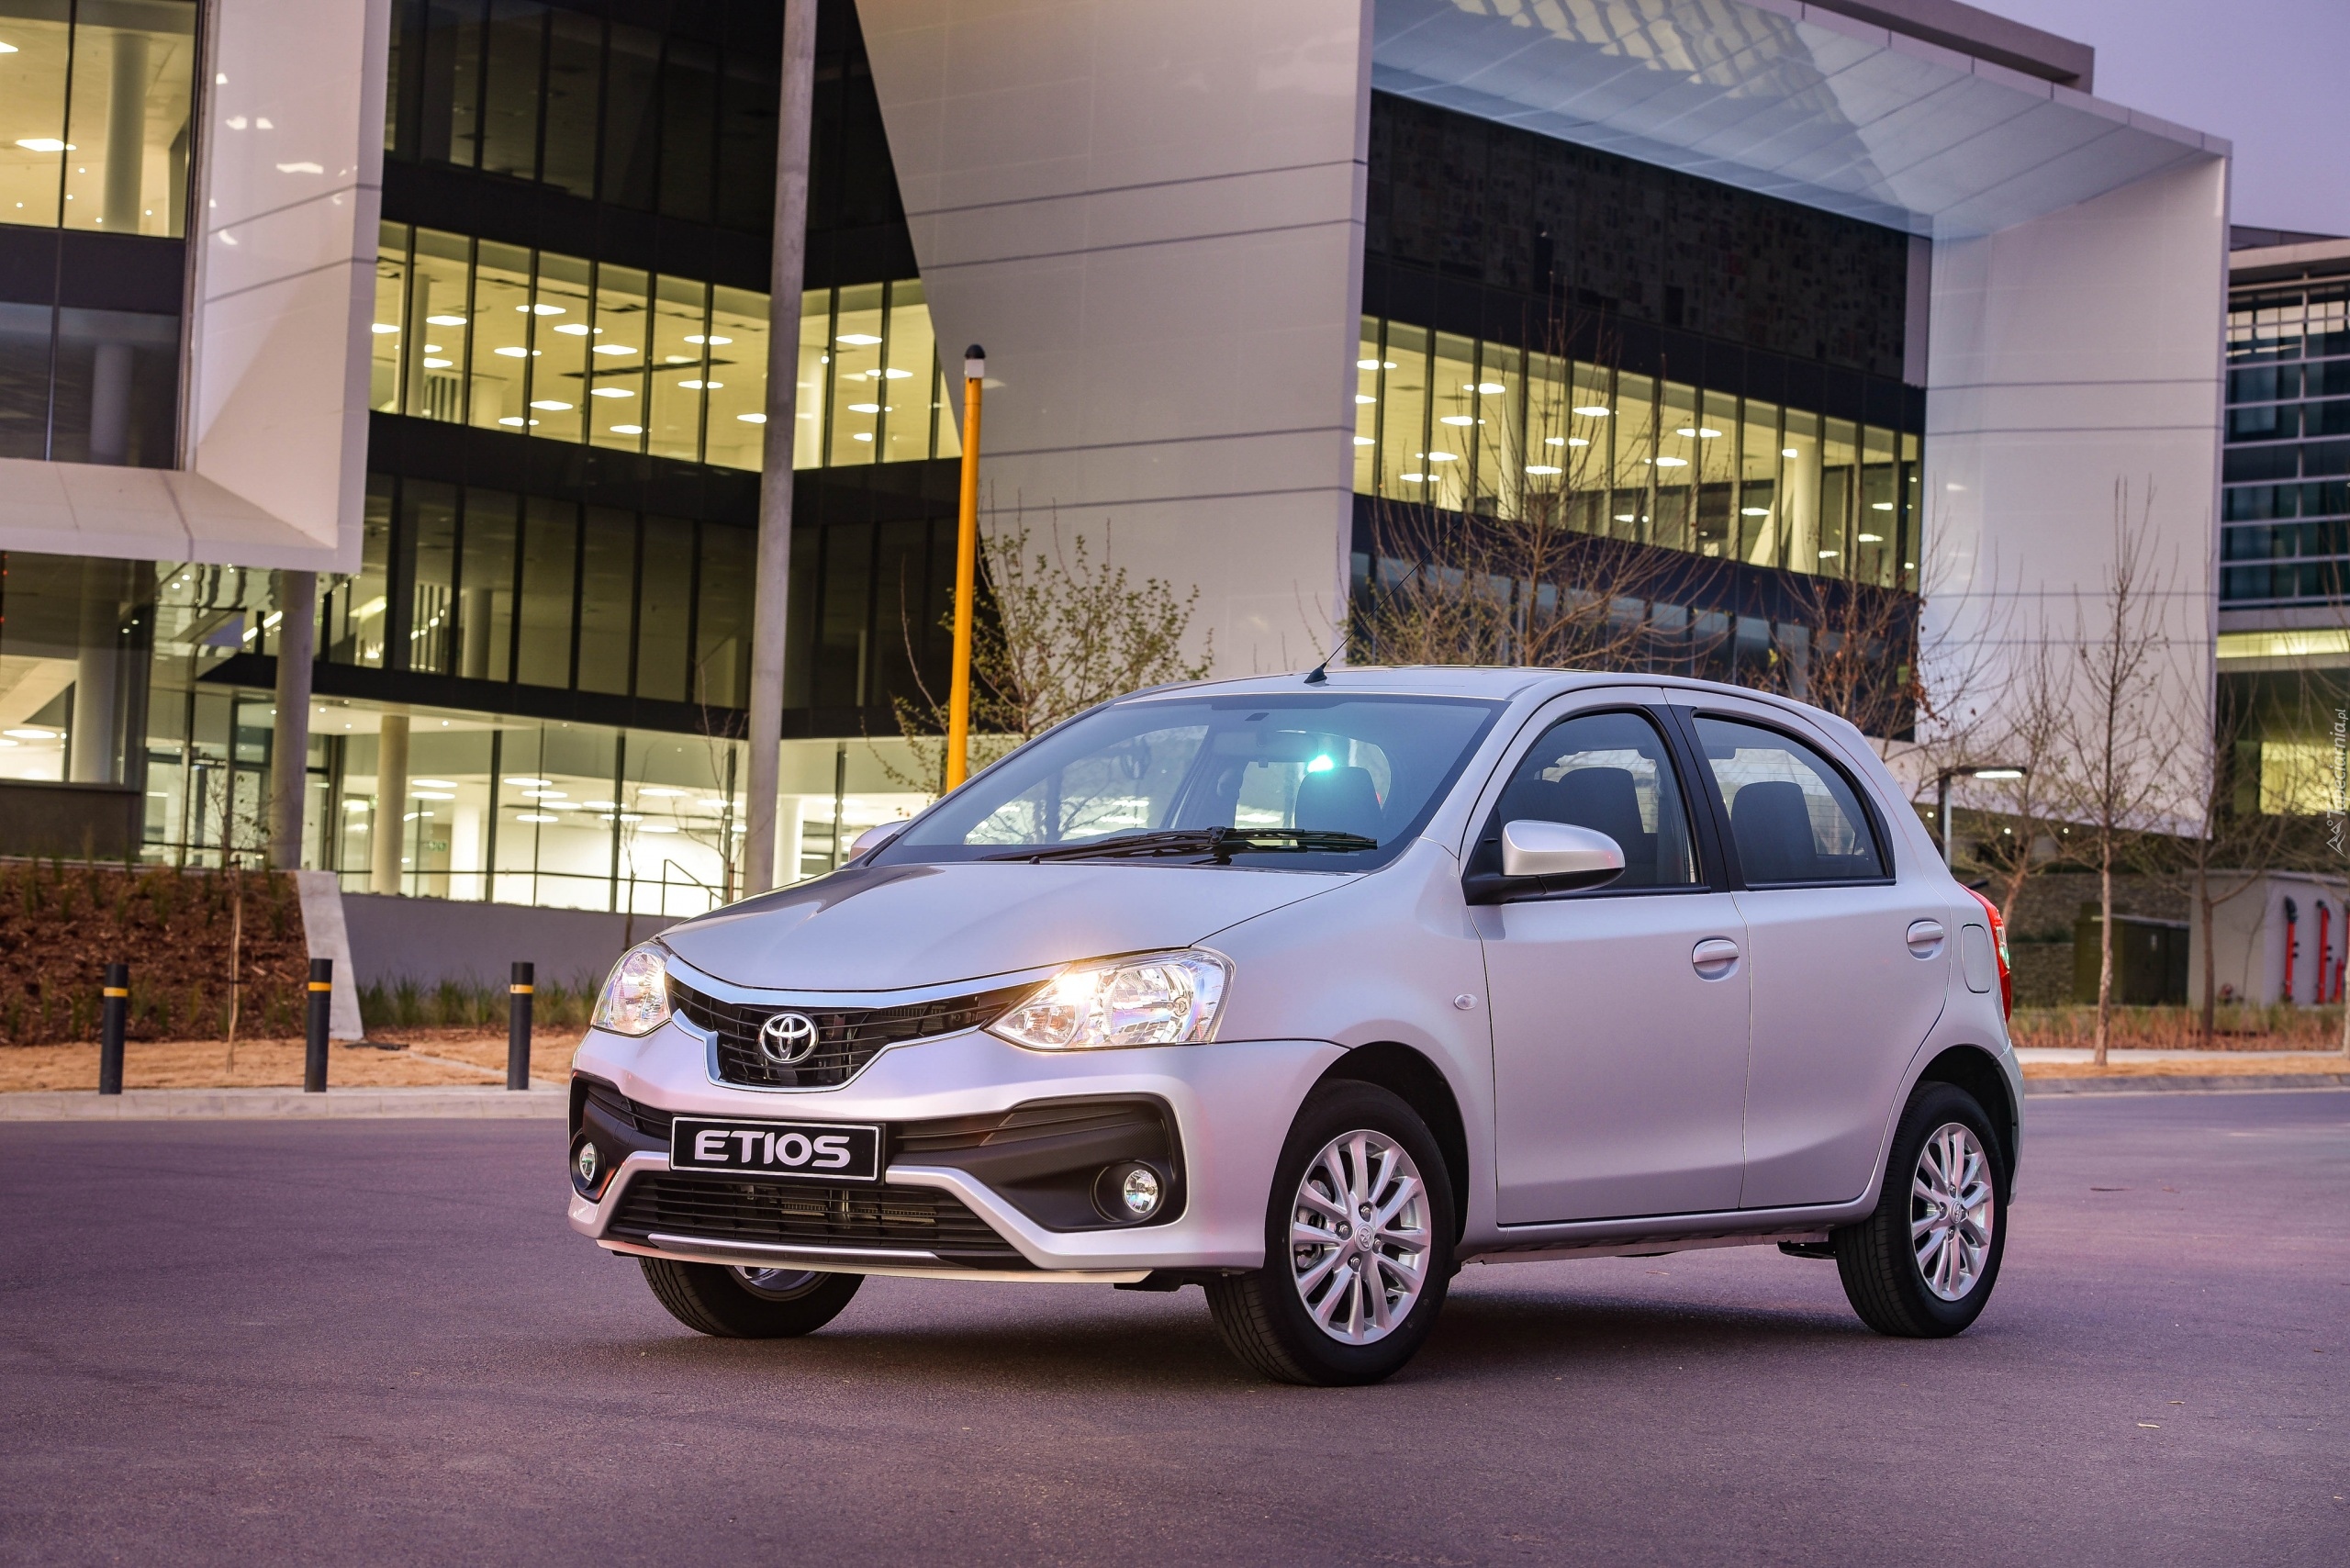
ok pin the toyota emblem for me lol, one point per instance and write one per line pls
(788, 1039)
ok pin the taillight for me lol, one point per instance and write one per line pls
(1998, 945)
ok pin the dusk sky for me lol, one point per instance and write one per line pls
(2267, 74)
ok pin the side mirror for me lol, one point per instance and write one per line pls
(1547, 858)
(873, 838)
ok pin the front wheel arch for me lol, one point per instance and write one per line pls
(1412, 1077)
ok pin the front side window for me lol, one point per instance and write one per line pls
(1793, 817)
(1372, 769)
(1610, 773)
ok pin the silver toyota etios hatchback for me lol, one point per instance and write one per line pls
(1310, 991)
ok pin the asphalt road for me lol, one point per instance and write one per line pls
(259, 1342)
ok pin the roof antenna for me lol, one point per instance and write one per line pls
(1319, 675)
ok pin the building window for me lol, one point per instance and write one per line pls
(2285, 501)
(94, 115)
(472, 332)
(1466, 425)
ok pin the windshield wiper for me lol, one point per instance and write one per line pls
(1221, 843)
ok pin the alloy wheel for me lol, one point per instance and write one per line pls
(1358, 1237)
(777, 1285)
(1952, 1211)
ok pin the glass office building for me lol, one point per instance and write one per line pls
(537, 486)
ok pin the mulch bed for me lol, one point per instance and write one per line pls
(61, 924)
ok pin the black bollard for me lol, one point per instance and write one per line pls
(114, 1011)
(314, 1057)
(517, 1028)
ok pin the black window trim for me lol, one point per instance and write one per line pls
(1718, 811)
(1491, 887)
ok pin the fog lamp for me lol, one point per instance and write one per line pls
(1139, 1191)
(587, 1164)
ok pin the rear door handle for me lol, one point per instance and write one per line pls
(1925, 937)
(1714, 958)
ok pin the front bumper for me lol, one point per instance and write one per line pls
(1230, 1104)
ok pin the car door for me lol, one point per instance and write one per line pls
(1848, 963)
(1619, 1013)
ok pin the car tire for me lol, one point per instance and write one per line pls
(748, 1303)
(1946, 1185)
(1265, 1318)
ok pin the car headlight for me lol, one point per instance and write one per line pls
(1159, 999)
(636, 999)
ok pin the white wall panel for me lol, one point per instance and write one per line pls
(2067, 354)
(291, 189)
(273, 384)
(1152, 217)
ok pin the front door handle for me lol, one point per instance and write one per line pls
(1714, 958)
(1925, 937)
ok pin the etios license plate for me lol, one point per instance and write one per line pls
(807, 1152)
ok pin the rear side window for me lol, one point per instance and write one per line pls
(1793, 817)
(1608, 772)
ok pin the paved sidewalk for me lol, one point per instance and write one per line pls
(274, 1105)
(2069, 1070)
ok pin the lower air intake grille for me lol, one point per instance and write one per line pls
(847, 1218)
(847, 1038)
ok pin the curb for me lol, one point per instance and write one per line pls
(2150, 1083)
(281, 1104)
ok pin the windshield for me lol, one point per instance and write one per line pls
(1325, 783)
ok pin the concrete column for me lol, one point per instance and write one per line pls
(110, 404)
(772, 593)
(390, 834)
(126, 133)
(289, 750)
(90, 757)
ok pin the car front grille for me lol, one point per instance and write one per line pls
(847, 1038)
(843, 1219)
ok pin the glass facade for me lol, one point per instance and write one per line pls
(94, 124)
(73, 641)
(1469, 425)
(94, 103)
(2285, 501)
(505, 338)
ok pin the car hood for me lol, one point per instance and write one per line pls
(887, 928)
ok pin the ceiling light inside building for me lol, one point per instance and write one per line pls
(382, 327)
(1872, 538)
(628, 429)
(574, 329)
(1365, 398)
(1789, 452)
(530, 783)
(446, 320)
(550, 405)
(1414, 478)
(1540, 469)
(543, 309)
(865, 407)
(860, 435)
(534, 817)
(701, 385)
(511, 354)
(610, 392)
(857, 340)
(699, 338)
(1594, 411)
(1442, 456)
(1374, 364)
(1880, 505)
(43, 145)
(752, 418)
(1697, 432)
(1828, 554)
(612, 348)
(1484, 388)
(1754, 512)
(1456, 420)
(1365, 441)
(430, 364)
(1672, 463)
(29, 735)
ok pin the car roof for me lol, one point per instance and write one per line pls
(1490, 682)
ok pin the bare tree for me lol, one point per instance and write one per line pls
(1065, 632)
(2032, 738)
(2114, 733)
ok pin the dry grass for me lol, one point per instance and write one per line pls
(2179, 1028)
(434, 1057)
